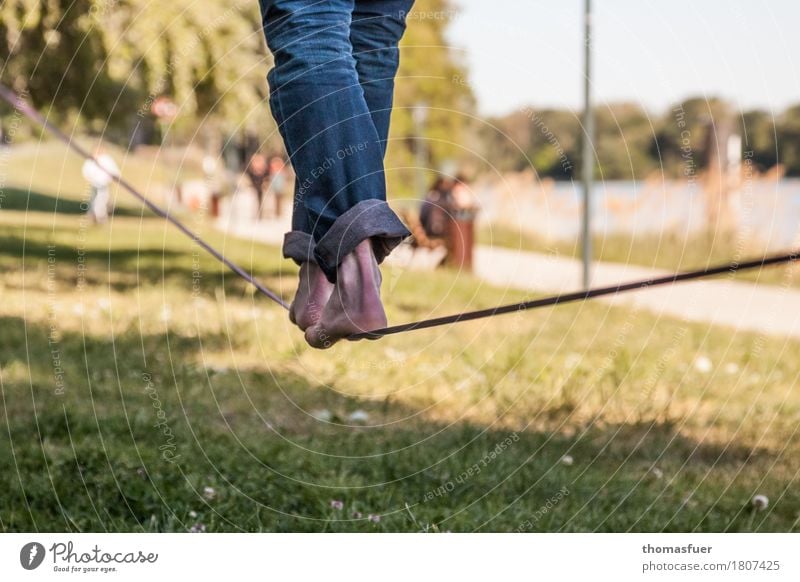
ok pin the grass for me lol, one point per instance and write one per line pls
(37, 166)
(145, 389)
(668, 251)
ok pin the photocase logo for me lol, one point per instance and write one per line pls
(31, 555)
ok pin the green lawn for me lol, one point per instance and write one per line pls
(135, 373)
(51, 171)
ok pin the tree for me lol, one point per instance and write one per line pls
(431, 75)
(680, 147)
(789, 140)
(623, 137)
(759, 135)
(103, 60)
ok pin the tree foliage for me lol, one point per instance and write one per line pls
(432, 76)
(106, 59)
(630, 143)
(103, 62)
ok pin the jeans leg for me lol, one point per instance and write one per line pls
(376, 30)
(328, 131)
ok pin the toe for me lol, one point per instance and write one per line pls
(304, 317)
(317, 337)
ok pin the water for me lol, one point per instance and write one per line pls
(766, 210)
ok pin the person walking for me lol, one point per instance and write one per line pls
(258, 172)
(331, 94)
(277, 183)
(98, 172)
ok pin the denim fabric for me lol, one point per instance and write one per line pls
(298, 246)
(331, 91)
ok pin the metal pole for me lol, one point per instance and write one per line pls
(420, 115)
(587, 169)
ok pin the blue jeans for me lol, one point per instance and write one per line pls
(331, 93)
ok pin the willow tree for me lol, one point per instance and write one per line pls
(432, 77)
(104, 60)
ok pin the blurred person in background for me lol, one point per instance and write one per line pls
(434, 210)
(98, 172)
(277, 182)
(462, 198)
(331, 93)
(258, 171)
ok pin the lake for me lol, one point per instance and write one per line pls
(768, 210)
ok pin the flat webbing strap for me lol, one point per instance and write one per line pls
(731, 267)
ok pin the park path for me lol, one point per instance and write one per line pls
(725, 301)
(769, 309)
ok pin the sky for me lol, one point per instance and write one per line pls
(530, 52)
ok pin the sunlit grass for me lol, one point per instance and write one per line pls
(51, 169)
(119, 317)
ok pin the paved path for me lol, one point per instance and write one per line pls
(723, 300)
(769, 309)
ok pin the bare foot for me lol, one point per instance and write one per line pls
(313, 292)
(355, 304)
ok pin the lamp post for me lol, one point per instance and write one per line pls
(587, 162)
(420, 116)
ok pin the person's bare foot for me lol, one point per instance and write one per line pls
(355, 304)
(313, 292)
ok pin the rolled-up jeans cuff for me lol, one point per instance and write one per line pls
(298, 246)
(372, 219)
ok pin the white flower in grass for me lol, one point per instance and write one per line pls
(760, 502)
(337, 504)
(166, 313)
(52, 37)
(374, 518)
(731, 368)
(198, 528)
(464, 384)
(322, 414)
(656, 472)
(209, 493)
(357, 515)
(359, 416)
(193, 514)
(395, 355)
(572, 361)
(703, 364)
(567, 460)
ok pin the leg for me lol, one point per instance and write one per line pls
(337, 153)
(294, 32)
(327, 127)
(376, 30)
(91, 210)
(100, 205)
(355, 304)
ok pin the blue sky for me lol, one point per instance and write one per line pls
(529, 52)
